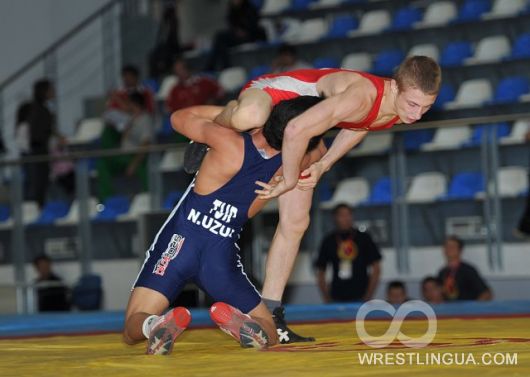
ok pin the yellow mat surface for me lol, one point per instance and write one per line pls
(484, 346)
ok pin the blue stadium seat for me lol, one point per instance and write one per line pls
(502, 130)
(257, 3)
(52, 211)
(465, 185)
(471, 10)
(521, 46)
(413, 140)
(386, 61)
(166, 128)
(405, 17)
(454, 53)
(258, 71)
(341, 26)
(324, 190)
(113, 207)
(152, 84)
(300, 4)
(326, 62)
(4, 213)
(446, 94)
(171, 199)
(510, 89)
(381, 192)
(88, 293)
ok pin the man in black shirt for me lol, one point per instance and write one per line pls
(460, 280)
(51, 292)
(351, 253)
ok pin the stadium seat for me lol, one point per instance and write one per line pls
(152, 84)
(88, 293)
(4, 213)
(257, 3)
(88, 131)
(165, 88)
(341, 25)
(490, 49)
(510, 89)
(501, 130)
(427, 187)
(381, 192)
(471, 93)
(386, 61)
(357, 61)
(113, 207)
(274, 6)
(172, 161)
(405, 18)
(140, 204)
(258, 71)
(374, 143)
(73, 214)
(428, 49)
(372, 22)
(325, 3)
(300, 4)
(473, 10)
(455, 53)
(291, 29)
(505, 8)
(521, 47)
(448, 138)
(413, 140)
(232, 79)
(312, 30)
(518, 133)
(438, 14)
(513, 181)
(352, 191)
(465, 186)
(446, 94)
(326, 62)
(172, 199)
(52, 211)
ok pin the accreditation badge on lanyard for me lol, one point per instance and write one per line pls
(347, 252)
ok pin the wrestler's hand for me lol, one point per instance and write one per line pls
(271, 190)
(310, 176)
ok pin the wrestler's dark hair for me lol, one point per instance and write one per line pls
(281, 114)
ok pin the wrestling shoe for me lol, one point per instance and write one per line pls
(285, 334)
(166, 329)
(193, 156)
(239, 326)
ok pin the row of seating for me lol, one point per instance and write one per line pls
(436, 13)
(429, 187)
(59, 212)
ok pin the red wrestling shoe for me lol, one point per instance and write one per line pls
(238, 325)
(166, 329)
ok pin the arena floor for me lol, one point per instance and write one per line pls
(465, 346)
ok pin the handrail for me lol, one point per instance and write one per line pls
(71, 33)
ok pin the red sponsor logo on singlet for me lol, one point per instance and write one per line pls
(172, 250)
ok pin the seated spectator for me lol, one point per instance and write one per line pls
(354, 257)
(431, 290)
(243, 27)
(138, 133)
(287, 60)
(167, 44)
(396, 293)
(191, 89)
(52, 295)
(460, 280)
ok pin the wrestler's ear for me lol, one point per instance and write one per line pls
(393, 86)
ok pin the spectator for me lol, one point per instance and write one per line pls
(243, 27)
(523, 229)
(52, 294)
(287, 60)
(138, 133)
(396, 293)
(22, 139)
(167, 45)
(42, 127)
(431, 290)
(355, 259)
(460, 280)
(191, 90)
